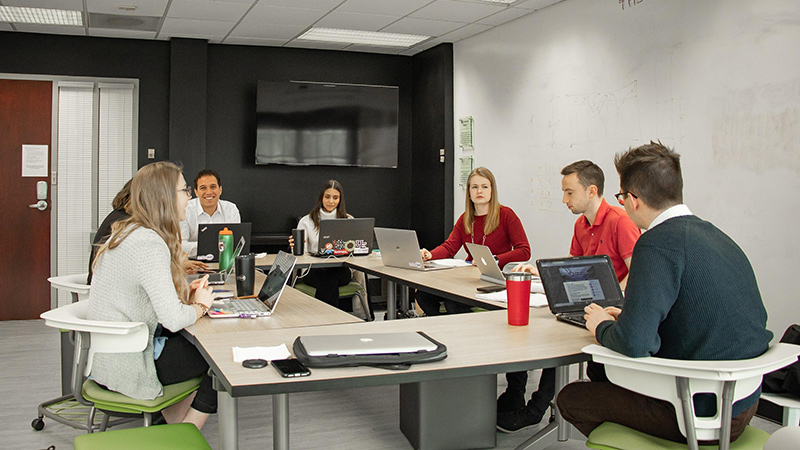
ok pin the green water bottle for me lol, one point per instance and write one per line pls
(225, 249)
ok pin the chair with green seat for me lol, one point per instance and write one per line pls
(94, 336)
(677, 381)
(349, 290)
(179, 436)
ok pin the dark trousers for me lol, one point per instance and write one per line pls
(430, 304)
(180, 361)
(327, 282)
(540, 400)
(588, 404)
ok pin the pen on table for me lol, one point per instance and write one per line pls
(247, 296)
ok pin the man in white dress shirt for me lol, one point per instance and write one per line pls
(206, 208)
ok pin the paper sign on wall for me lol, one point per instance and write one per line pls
(34, 160)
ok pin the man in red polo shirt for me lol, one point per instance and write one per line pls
(600, 230)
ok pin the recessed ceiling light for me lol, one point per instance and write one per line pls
(505, 2)
(376, 38)
(41, 16)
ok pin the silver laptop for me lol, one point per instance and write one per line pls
(490, 271)
(220, 277)
(267, 300)
(366, 344)
(400, 248)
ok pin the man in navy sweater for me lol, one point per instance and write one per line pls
(691, 295)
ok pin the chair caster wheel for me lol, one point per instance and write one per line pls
(38, 424)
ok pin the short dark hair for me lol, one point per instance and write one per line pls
(207, 172)
(589, 174)
(652, 172)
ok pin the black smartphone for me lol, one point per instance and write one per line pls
(289, 368)
(491, 288)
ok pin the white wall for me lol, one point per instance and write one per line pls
(718, 80)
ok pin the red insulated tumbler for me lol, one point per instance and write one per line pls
(518, 290)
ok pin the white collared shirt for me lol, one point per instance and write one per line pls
(669, 213)
(226, 212)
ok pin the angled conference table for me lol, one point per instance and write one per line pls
(480, 345)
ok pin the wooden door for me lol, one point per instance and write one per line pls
(25, 118)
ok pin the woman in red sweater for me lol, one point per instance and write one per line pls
(485, 221)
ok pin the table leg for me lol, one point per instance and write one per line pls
(558, 430)
(280, 421)
(391, 300)
(404, 302)
(227, 414)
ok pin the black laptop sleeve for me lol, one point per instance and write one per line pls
(394, 361)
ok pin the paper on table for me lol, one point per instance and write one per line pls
(537, 300)
(268, 353)
(450, 262)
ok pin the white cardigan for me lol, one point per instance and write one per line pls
(133, 283)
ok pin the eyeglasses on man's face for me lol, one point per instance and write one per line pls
(186, 190)
(623, 195)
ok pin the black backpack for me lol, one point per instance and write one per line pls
(786, 380)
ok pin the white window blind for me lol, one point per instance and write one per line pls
(115, 159)
(74, 187)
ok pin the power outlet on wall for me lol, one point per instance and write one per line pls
(151, 153)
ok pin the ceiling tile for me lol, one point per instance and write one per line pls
(127, 34)
(259, 30)
(386, 7)
(279, 15)
(153, 8)
(465, 32)
(505, 16)
(457, 11)
(296, 43)
(355, 21)
(195, 28)
(51, 29)
(428, 44)
(327, 5)
(206, 10)
(536, 4)
(254, 41)
(423, 27)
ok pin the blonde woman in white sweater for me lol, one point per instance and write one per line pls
(139, 277)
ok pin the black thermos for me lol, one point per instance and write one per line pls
(245, 274)
(299, 236)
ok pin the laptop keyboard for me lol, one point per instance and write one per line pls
(246, 306)
(573, 319)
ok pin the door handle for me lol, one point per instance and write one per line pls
(41, 205)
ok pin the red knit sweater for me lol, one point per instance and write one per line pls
(508, 242)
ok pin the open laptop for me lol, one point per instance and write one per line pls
(366, 344)
(570, 284)
(400, 248)
(490, 271)
(220, 277)
(266, 301)
(208, 239)
(342, 237)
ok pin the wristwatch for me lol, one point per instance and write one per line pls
(203, 307)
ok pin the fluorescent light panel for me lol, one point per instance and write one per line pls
(505, 2)
(376, 38)
(40, 16)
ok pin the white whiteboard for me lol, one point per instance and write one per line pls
(718, 80)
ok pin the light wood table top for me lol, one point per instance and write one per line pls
(459, 283)
(478, 344)
(295, 309)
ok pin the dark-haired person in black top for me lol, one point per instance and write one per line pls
(691, 295)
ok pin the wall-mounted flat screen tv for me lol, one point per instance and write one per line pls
(334, 124)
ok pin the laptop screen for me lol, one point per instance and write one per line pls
(573, 283)
(277, 277)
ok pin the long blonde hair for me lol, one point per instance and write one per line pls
(153, 205)
(492, 220)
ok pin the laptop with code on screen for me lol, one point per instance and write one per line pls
(571, 284)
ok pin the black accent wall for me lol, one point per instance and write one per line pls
(197, 107)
